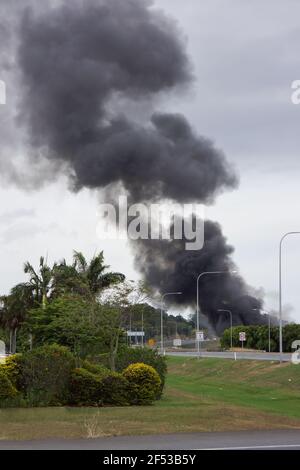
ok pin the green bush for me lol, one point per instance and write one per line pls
(127, 356)
(115, 390)
(144, 383)
(12, 367)
(95, 368)
(45, 375)
(257, 337)
(85, 388)
(7, 390)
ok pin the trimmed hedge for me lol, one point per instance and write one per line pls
(115, 390)
(45, 375)
(7, 390)
(85, 388)
(12, 368)
(95, 368)
(127, 356)
(144, 382)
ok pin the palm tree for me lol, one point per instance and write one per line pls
(95, 273)
(67, 280)
(40, 281)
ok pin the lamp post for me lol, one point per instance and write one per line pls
(280, 289)
(162, 320)
(230, 313)
(198, 278)
(269, 322)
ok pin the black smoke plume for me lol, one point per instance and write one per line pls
(167, 266)
(77, 62)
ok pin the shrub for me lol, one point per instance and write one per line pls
(257, 337)
(85, 388)
(12, 368)
(95, 368)
(7, 390)
(115, 390)
(127, 356)
(144, 383)
(45, 375)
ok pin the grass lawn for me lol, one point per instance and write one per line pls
(201, 395)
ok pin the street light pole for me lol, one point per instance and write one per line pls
(280, 289)
(230, 313)
(269, 322)
(198, 278)
(162, 319)
(142, 328)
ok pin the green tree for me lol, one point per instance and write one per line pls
(40, 280)
(95, 273)
(13, 310)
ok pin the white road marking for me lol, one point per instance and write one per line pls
(275, 446)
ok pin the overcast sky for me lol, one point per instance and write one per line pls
(245, 56)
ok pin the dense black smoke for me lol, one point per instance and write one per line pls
(74, 60)
(78, 61)
(168, 266)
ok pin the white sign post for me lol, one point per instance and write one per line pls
(200, 336)
(199, 339)
(136, 335)
(177, 342)
(242, 337)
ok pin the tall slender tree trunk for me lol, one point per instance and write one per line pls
(10, 340)
(14, 341)
(114, 345)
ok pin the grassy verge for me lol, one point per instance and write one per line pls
(201, 395)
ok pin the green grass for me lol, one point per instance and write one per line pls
(201, 395)
(260, 385)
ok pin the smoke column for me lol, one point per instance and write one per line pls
(77, 61)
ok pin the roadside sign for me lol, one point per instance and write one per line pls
(242, 336)
(177, 342)
(200, 335)
(135, 333)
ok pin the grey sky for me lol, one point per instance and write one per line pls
(245, 57)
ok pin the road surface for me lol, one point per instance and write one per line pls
(286, 357)
(243, 440)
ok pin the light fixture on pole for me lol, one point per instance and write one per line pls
(230, 314)
(162, 319)
(280, 289)
(269, 322)
(198, 320)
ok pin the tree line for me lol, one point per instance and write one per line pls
(82, 305)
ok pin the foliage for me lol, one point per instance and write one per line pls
(257, 337)
(45, 375)
(115, 390)
(85, 388)
(144, 382)
(127, 356)
(12, 368)
(88, 387)
(95, 368)
(7, 390)
(82, 277)
(71, 321)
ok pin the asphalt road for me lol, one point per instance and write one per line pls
(243, 440)
(231, 355)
